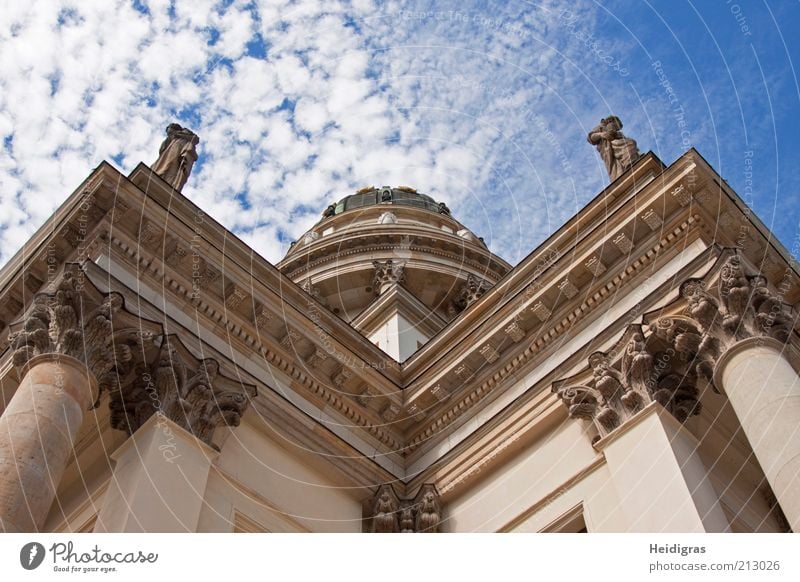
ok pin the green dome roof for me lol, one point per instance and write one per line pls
(402, 195)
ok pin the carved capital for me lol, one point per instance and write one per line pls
(472, 290)
(79, 321)
(672, 358)
(190, 392)
(387, 273)
(618, 384)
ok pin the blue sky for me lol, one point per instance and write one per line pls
(484, 105)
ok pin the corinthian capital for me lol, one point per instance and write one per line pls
(79, 321)
(190, 392)
(617, 384)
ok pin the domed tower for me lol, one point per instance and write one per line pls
(394, 264)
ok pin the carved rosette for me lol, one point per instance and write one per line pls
(671, 359)
(390, 514)
(143, 371)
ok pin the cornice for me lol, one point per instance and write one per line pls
(268, 347)
(512, 364)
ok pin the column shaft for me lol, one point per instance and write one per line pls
(764, 391)
(37, 433)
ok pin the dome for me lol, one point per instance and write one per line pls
(391, 256)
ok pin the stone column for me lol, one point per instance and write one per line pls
(159, 480)
(764, 391)
(66, 351)
(661, 482)
(37, 432)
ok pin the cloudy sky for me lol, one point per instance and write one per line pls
(484, 105)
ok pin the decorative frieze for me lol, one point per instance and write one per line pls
(342, 376)
(388, 513)
(175, 256)
(317, 357)
(263, 317)
(236, 295)
(682, 195)
(439, 393)
(150, 235)
(368, 396)
(119, 208)
(290, 339)
(463, 372)
(416, 412)
(390, 413)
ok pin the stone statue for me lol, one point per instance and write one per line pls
(329, 211)
(176, 156)
(429, 514)
(384, 512)
(619, 153)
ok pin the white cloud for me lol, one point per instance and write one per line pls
(480, 108)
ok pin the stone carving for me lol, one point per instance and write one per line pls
(652, 219)
(473, 289)
(541, 311)
(387, 273)
(682, 195)
(443, 209)
(385, 511)
(568, 288)
(619, 384)
(515, 332)
(141, 375)
(618, 152)
(624, 244)
(176, 156)
(429, 513)
(76, 321)
(595, 266)
(406, 517)
(189, 392)
(389, 513)
(490, 353)
(236, 295)
(676, 360)
(329, 211)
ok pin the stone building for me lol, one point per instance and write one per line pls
(635, 372)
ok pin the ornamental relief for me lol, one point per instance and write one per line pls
(670, 359)
(388, 513)
(144, 371)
